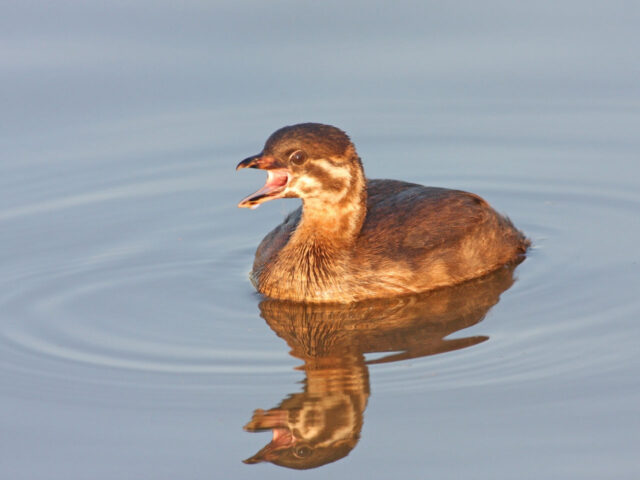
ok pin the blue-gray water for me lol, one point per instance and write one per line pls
(132, 344)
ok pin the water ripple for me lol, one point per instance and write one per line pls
(162, 304)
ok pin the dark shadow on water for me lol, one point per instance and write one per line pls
(322, 423)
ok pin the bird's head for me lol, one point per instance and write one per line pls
(310, 161)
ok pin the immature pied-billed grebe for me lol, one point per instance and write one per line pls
(355, 238)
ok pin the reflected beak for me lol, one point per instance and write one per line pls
(276, 420)
(278, 176)
(282, 440)
(266, 454)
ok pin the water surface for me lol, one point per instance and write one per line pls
(132, 344)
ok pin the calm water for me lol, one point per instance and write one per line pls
(132, 344)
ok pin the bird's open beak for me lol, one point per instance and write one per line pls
(275, 420)
(278, 176)
(282, 440)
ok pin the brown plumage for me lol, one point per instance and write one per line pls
(354, 238)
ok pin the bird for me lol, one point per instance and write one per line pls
(355, 238)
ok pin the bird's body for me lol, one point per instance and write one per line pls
(354, 239)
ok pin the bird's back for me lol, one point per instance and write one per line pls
(427, 237)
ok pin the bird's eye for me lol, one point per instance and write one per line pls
(298, 157)
(303, 451)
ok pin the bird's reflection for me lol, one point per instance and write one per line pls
(322, 423)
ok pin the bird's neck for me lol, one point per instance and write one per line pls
(317, 255)
(334, 221)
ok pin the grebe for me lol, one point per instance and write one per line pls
(355, 238)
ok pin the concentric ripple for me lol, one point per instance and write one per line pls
(101, 290)
(141, 284)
